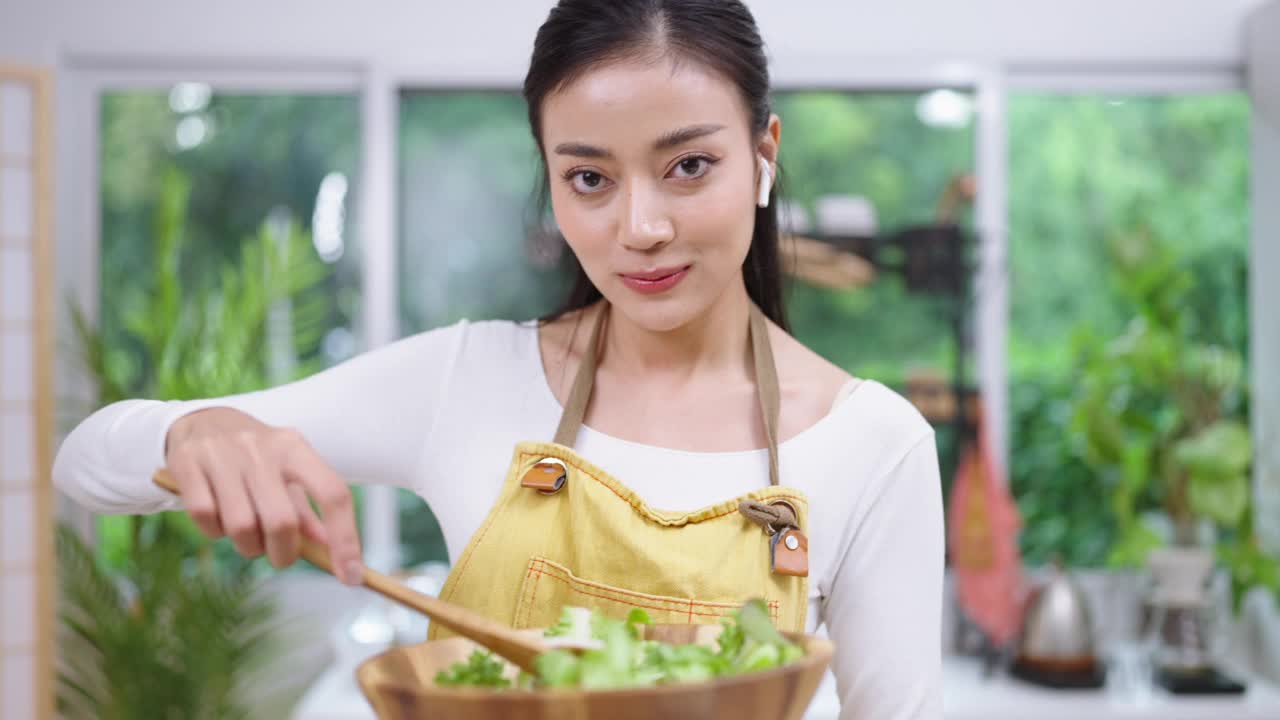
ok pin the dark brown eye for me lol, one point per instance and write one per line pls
(692, 167)
(585, 182)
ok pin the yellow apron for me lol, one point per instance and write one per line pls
(565, 532)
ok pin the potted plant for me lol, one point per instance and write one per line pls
(1161, 410)
(160, 622)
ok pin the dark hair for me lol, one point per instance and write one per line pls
(579, 35)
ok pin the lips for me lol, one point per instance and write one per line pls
(653, 275)
(658, 280)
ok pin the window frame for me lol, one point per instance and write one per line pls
(379, 87)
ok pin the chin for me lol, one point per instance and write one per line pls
(656, 314)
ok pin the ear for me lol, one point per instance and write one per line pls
(770, 140)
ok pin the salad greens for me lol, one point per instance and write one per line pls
(482, 669)
(748, 642)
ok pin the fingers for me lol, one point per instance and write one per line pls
(309, 522)
(337, 509)
(238, 515)
(197, 496)
(255, 484)
(277, 518)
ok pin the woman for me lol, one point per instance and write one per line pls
(702, 455)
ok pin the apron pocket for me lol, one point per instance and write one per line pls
(549, 586)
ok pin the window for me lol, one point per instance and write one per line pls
(1084, 172)
(468, 169)
(1093, 177)
(468, 166)
(898, 151)
(201, 177)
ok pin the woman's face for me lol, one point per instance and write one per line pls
(654, 175)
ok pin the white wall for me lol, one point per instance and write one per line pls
(492, 38)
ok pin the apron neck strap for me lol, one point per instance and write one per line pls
(766, 371)
(766, 385)
(576, 408)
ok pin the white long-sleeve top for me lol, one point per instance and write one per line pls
(439, 412)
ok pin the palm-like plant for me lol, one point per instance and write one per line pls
(167, 639)
(162, 623)
(188, 337)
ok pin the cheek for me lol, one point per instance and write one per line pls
(585, 227)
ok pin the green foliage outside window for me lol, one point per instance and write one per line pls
(1088, 175)
(202, 238)
(1082, 170)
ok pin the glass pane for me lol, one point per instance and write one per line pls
(894, 153)
(887, 149)
(1118, 206)
(228, 262)
(468, 166)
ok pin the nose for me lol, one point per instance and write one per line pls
(646, 225)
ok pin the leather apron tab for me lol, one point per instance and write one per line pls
(547, 477)
(790, 550)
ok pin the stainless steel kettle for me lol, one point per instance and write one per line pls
(1057, 629)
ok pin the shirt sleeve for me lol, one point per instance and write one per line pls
(884, 609)
(369, 418)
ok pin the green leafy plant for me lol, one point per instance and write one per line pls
(189, 331)
(163, 623)
(1058, 492)
(165, 638)
(184, 331)
(1161, 410)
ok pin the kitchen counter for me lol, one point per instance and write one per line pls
(971, 696)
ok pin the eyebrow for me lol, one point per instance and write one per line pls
(668, 140)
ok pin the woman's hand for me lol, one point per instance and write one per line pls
(253, 483)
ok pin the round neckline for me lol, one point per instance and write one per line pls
(545, 383)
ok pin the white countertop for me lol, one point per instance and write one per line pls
(970, 696)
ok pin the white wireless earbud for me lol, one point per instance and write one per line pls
(766, 183)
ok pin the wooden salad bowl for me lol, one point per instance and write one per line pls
(400, 684)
